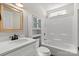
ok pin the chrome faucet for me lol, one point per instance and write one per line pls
(14, 37)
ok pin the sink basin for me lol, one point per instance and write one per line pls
(19, 41)
(24, 40)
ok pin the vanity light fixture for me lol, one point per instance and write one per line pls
(62, 12)
(19, 4)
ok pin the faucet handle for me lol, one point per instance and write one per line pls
(11, 37)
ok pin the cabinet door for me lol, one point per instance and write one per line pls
(34, 22)
(39, 23)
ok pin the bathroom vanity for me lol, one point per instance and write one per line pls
(11, 20)
(20, 47)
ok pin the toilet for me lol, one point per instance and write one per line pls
(42, 51)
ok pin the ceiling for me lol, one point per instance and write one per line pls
(42, 8)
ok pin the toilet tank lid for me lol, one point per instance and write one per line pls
(43, 50)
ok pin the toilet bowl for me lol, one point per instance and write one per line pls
(42, 51)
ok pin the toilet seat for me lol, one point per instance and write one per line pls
(43, 51)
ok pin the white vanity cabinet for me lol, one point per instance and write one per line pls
(27, 50)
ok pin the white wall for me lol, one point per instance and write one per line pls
(35, 9)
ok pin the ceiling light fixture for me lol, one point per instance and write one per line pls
(62, 12)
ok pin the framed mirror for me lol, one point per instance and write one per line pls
(12, 18)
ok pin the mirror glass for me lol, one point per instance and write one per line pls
(12, 18)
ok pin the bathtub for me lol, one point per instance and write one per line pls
(60, 48)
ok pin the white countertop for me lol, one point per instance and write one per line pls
(8, 46)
